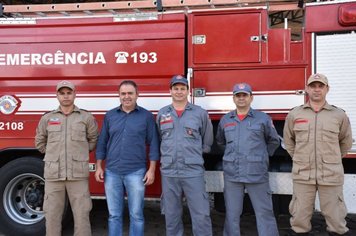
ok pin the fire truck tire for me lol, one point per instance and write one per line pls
(21, 192)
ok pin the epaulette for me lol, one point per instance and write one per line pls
(83, 110)
(338, 108)
(47, 112)
(296, 107)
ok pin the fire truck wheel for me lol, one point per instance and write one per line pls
(22, 191)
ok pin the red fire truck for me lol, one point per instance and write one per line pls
(272, 45)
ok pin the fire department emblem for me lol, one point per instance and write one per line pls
(241, 86)
(8, 104)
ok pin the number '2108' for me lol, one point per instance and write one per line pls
(11, 126)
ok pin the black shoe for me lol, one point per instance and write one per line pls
(348, 233)
(290, 232)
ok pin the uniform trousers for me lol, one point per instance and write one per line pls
(261, 199)
(193, 189)
(332, 207)
(54, 204)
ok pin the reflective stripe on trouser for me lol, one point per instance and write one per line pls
(261, 199)
(80, 201)
(198, 204)
(332, 207)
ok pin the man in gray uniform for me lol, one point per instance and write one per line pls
(186, 132)
(249, 138)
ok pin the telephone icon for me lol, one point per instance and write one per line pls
(121, 57)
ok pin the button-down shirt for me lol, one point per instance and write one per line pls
(317, 141)
(248, 144)
(124, 138)
(66, 141)
(183, 140)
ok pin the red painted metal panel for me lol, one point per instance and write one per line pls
(92, 58)
(228, 37)
(261, 79)
(279, 45)
(297, 51)
(93, 29)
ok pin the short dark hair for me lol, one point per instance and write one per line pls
(171, 86)
(129, 82)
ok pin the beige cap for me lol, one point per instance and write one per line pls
(65, 84)
(318, 78)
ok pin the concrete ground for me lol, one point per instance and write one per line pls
(155, 225)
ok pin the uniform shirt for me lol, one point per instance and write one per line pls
(317, 141)
(123, 138)
(248, 145)
(66, 141)
(183, 140)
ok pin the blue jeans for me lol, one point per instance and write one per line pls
(115, 186)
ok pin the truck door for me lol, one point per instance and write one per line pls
(229, 47)
(226, 37)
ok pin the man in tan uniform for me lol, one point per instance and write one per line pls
(66, 136)
(317, 135)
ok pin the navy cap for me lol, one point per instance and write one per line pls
(242, 88)
(178, 79)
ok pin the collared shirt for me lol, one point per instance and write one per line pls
(183, 140)
(248, 144)
(123, 139)
(66, 141)
(317, 141)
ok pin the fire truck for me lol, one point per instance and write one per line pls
(273, 45)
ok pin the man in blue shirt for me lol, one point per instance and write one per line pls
(126, 132)
(249, 138)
